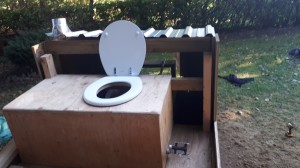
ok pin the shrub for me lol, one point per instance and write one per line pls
(18, 50)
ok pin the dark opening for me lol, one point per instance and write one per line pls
(188, 106)
(80, 64)
(113, 90)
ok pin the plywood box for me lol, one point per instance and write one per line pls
(52, 126)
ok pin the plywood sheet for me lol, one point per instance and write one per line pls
(199, 149)
(64, 93)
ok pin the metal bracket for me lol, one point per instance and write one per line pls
(179, 146)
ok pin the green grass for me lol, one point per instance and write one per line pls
(277, 76)
(157, 57)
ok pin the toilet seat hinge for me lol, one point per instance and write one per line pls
(115, 71)
(130, 71)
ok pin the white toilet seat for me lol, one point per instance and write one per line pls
(90, 94)
(122, 52)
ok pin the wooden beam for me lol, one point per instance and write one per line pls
(8, 153)
(217, 147)
(38, 51)
(187, 84)
(179, 44)
(153, 45)
(207, 76)
(216, 62)
(48, 65)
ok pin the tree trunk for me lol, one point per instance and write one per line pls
(42, 4)
(91, 9)
(21, 3)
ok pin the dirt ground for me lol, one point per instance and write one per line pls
(246, 142)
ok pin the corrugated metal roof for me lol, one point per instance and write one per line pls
(179, 33)
(188, 32)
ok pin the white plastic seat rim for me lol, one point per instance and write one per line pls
(90, 93)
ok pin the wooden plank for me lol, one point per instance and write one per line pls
(153, 45)
(8, 153)
(166, 125)
(216, 63)
(207, 76)
(187, 84)
(79, 140)
(48, 65)
(179, 44)
(29, 166)
(199, 149)
(217, 146)
(38, 51)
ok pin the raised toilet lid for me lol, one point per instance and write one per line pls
(122, 49)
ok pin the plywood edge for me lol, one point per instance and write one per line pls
(216, 48)
(187, 84)
(217, 146)
(207, 90)
(166, 124)
(8, 153)
(48, 65)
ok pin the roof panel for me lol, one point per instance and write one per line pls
(188, 32)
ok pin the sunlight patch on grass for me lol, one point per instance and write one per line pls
(245, 65)
(247, 75)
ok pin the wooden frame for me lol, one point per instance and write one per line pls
(47, 54)
(208, 45)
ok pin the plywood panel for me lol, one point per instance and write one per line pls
(199, 149)
(207, 77)
(52, 126)
(64, 93)
(166, 124)
(87, 140)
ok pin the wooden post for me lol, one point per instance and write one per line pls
(38, 51)
(48, 65)
(216, 63)
(8, 153)
(217, 147)
(207, 76)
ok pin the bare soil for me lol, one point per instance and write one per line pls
(246, 142)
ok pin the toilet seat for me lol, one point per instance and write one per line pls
(122, 52)
(90, 94)
(122, 49)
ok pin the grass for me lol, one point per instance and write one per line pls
(157, 57)
(276, 89)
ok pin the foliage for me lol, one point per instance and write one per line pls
(19, 51)
(91, 15)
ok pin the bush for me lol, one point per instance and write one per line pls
(18, 50)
